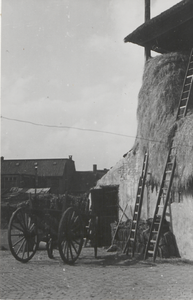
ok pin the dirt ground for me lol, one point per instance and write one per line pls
(111, 276)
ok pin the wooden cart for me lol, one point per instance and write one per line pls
(64, 229)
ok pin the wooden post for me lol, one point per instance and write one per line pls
(147, 18)
(36, 177)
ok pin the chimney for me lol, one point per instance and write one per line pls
(70, 157)
(94, 168)
(2, 158)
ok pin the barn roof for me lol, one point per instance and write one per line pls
(170, 31)
(46, 167)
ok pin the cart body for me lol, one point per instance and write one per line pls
(64, 224)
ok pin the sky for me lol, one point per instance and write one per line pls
(69, 84)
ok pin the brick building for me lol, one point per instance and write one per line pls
(55, 174)
(59, 175)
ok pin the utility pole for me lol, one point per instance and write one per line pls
(147, 18)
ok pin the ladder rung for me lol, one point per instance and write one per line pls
(134, 221)
(172, 148)
(161, 206)
(153, 241)
(150, 251)
(131, 239)
(188, 80)
(182, 107)
(153, 231)
(186, 89)
(133, 230)
(185, 94)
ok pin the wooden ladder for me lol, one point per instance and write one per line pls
(130, 244)
(166, 183)
(187, 86)
(160, 210)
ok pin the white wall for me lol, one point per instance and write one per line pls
(126, 174)
(182, 214)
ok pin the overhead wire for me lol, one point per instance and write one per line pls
(85, 129)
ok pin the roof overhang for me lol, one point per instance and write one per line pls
(170, 31)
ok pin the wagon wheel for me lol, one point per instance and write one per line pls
(22, 235)
(70, 235)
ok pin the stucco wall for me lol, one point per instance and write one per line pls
(126, 174)
(182, 215)
(128, 193)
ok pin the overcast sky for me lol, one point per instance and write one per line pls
(64, 63)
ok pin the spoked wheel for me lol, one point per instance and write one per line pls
(70, 235)
(22, 235)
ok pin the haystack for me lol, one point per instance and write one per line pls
(157, 109)
(158, 102)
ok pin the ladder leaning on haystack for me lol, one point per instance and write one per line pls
(166, 183)
(130, 244)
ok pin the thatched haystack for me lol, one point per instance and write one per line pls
(158, 102)
(157, 108)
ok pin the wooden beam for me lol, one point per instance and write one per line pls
(147, 18)
(147, 10)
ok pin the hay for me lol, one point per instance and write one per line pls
(158, 102)
(157, 108)
(184, 142)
